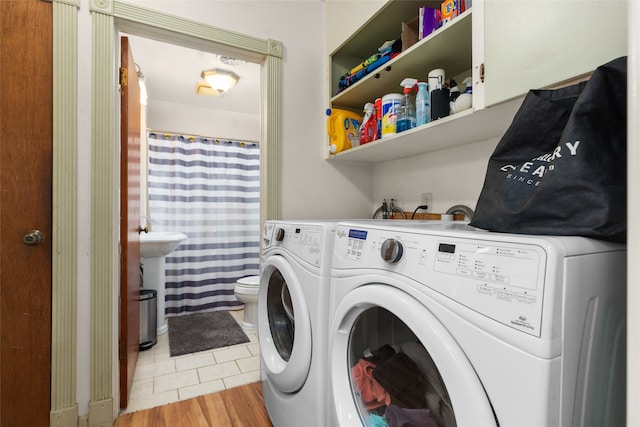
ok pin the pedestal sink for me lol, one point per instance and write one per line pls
(154, 247)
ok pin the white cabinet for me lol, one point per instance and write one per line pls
(538, 43)
(448, 47)
(509, 47)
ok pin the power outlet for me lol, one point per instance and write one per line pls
(427, 199)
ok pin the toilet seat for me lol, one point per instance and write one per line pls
(249, 281)
(246, 291)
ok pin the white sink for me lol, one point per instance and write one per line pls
(160, 243)
(154, 246)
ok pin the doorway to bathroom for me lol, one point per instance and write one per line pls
(200, 169)
(170, 156)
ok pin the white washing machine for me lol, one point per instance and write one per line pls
(293, 320)
(444, 324)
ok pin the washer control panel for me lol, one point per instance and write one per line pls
(501, 280)
(301, 240)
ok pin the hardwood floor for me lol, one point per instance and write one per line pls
(236, 407)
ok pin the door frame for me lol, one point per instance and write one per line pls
(64, 278)
(107, 19)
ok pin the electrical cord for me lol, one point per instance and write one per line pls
(418, 208)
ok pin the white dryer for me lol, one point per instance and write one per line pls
(293, 320)
(444, 324)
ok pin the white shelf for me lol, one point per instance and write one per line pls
(453, 131)
(449, 48)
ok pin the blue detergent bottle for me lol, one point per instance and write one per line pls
(423, 106)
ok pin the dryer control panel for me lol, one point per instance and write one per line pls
(304, 241)
(504, 281)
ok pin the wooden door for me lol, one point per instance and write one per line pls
(26, 97)
(129, 220)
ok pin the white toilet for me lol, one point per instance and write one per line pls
(246, 291)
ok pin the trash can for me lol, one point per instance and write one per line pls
(148, 316)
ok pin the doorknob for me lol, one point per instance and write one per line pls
(33, 237)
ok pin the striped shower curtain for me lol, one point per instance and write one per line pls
(208, 189)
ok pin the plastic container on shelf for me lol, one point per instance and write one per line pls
(439, 94)
(465, 100)
(369, 126)
(378, 107)
(390, 109)
(343, 128)
(423, 107)
(407, 116)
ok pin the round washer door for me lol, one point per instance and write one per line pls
(284, 325)
(469, 401)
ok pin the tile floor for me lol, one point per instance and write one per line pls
(160, 379)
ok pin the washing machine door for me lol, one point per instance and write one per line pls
(284, 325)
(391, 357)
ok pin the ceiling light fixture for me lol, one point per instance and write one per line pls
(218, 82)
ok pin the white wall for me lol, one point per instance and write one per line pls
(179, 118)
(453, 176)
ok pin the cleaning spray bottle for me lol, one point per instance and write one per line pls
(407, 116)
(378, 107)
(423, 106)
(369, 127)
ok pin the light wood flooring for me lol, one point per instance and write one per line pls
(236, 407)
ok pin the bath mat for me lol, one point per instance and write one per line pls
(203, 331)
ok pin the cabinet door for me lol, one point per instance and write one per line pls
(531, 44)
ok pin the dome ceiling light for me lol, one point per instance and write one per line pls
(216, 82)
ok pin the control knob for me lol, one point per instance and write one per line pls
(279, 234)
(391, 251)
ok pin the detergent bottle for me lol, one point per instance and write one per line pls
(343, 127)
(423, 107)
(407, 116)
(369, 126)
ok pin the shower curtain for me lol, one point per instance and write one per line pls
(208, 189)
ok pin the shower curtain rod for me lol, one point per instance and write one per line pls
(192, 137)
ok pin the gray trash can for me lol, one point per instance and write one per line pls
(148, 316)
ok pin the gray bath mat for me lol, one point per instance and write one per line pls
(203, 331)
